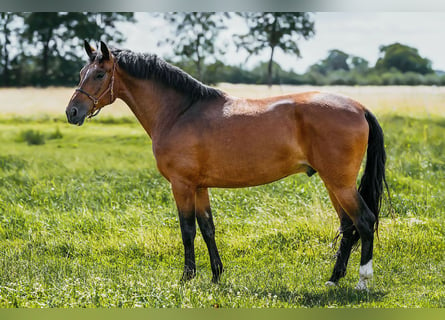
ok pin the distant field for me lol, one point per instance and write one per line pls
(416, 101)
(86, 220)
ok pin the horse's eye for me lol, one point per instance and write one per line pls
(100, 75)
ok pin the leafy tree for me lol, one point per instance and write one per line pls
(194, 36)
(339, 68)
(275, 30)
(402, 58)
(359, 64)
(338, 60)
(8, 32)
(57, 36)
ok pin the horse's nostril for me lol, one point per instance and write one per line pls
(73, 112)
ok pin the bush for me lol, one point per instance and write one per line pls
(412, 79)
(32, 137)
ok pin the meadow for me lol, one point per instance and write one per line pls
(86, 220)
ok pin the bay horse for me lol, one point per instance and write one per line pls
(204, 138)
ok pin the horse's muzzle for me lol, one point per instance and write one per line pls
(75, 114)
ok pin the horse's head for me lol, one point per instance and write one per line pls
(96, 87)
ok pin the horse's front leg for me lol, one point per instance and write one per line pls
(185, 201)
(205, 222)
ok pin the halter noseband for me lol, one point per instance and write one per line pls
(96, 100)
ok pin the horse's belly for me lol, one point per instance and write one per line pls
(251, 167)
(250, 179)
(252, 151)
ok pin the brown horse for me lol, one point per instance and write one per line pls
(205, 138)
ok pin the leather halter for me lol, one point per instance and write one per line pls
(95, 100)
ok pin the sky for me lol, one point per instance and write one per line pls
(356, 33)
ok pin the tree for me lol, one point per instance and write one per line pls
(194, 36)
(402, 58)
(272, 30)
(359, 64)
(6, 19)
(57, 36)
(338, 60)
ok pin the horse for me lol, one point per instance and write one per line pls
(204, 138)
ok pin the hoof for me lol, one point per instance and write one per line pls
(216, 272)
(330, 284)
(361, 285)
(188, 275)
(366, 274)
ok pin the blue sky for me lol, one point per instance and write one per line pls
(357, 33)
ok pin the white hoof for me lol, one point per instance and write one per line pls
(366, 274)
(330, 284)
(361, 285)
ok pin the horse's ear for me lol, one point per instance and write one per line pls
(88, 49)
(105, 51)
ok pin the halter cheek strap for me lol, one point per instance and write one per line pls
(94, 111)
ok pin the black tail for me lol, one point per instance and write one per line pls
(373, 180)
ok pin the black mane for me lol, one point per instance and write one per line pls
(150, 66)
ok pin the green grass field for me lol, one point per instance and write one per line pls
(86, 220)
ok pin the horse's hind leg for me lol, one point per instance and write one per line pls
(363, 220)
(350, 237)
(205, 222)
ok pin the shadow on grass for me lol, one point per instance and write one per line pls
(341, 296)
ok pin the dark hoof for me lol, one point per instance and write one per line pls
(215, 279)
(188, 275)
(217, 273)
(337, 275)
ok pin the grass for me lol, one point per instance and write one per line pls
(86, 220)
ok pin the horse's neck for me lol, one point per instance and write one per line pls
(153, 105)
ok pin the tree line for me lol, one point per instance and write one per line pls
(42, 49)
